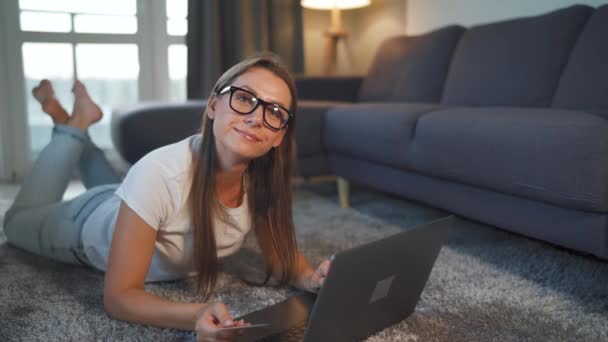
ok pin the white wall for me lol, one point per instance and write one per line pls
(384, 18)
(425, 15)
(367, 28)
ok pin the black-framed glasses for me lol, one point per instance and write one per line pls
(245, 102)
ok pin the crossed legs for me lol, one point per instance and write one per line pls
(93, 166)
(38, 220)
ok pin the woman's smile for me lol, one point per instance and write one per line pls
(249, 136)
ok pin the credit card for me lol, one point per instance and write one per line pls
(246, 326)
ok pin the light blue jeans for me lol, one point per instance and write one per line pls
(38, 220)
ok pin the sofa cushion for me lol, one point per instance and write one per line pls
(514, 63)
(378, 132)
(411, 68)
(584, 83)
(555, 156)
(309, 127)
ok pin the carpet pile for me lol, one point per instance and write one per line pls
(487, 284)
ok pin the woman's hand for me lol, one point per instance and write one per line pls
(315, 279)
(211, 319)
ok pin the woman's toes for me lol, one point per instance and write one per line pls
(85, 109)
(44, 91)
(45, 95)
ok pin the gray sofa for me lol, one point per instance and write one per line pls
(503, 123)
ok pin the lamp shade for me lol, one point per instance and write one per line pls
(334, 4)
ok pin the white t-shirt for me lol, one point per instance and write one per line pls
(157, 188)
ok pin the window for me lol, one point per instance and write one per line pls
(177, 71)
(101, 42)
(177, 12)
(110, 72)
(177, 26)
(52, 61)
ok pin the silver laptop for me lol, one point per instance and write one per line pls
(368, 288)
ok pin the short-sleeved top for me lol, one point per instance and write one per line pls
(156, 188)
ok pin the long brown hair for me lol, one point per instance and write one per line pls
(268, 190)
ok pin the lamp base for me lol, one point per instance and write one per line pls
(331, 50)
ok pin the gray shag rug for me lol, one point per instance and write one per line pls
(487, 284)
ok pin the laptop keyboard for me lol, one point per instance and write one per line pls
(295, 333)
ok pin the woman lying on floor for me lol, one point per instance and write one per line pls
(180, 208)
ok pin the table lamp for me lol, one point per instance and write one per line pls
(335, 33)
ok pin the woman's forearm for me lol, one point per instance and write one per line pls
(138, 306)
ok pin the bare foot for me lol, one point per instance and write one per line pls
(85, 112)
(45, 94)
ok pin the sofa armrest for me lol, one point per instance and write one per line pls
(335, 88)
(139, 129)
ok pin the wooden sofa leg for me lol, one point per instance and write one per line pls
(343, 192)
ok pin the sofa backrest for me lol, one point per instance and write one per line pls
(584, 83)
(411, 68)
(515, 62)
